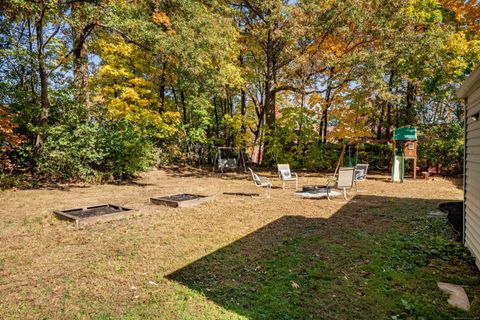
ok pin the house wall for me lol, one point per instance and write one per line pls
(471, 92)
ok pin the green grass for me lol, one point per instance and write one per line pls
(375, 264)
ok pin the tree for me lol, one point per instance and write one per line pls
(43, 20)
(8, 137)
(84, 18)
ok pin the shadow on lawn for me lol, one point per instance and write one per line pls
(360, 263)
(204, 172)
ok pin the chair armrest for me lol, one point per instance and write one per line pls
(296, 176)
(329, 181)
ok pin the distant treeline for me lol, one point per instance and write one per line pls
(102, 89)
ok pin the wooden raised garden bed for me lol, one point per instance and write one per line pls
(93, 214)
(181, 200)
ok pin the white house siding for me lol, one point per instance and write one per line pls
(471, 92)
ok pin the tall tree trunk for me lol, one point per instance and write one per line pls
(300, 122)
(380, 121)
(269, 105)
(325, 124)
(391, 82)
(243, 109)
(185, 119)
(175, 98)
(322, 132)
(216, 115)
(162, 89)
(388, 131)
(410, 114)
(80, 56)
(184, 107)
(33, 78)
(269, 101)
(42, 73)
(243, 99)
(260, 147)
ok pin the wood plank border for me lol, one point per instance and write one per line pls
(162, 200)
(79, 221)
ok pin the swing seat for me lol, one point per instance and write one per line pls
(230, 163)
(222, 163)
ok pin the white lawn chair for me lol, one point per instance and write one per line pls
(360, 173)
(345, 180)
(261, 182)
(285, 175)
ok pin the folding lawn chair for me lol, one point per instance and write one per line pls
(261, 182)
(285, 175)
(345, 180)
(360, 173)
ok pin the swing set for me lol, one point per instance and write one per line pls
(348, 144)
(404, 147)
(225, 159)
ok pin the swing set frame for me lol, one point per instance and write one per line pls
(405, 136)
(350, 143)
(221, 164)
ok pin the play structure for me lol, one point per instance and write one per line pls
(228, 158)
(404, 147)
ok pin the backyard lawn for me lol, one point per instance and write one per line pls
(377, 256)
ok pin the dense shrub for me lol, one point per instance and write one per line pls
(126, 150)
(442, 144)
(72, 152)
(95, 152)
(322, 156)
(287, 147)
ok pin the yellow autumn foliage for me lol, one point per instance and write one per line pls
(121, 85)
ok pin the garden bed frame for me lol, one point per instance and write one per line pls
(94, 214)
(181, 200)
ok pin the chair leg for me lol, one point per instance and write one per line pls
(296, 184)
(283, 184)
(345, 193)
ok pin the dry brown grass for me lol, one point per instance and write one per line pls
(48, 268)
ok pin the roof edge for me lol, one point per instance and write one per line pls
(469, 83)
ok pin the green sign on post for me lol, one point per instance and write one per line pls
(405, 134)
